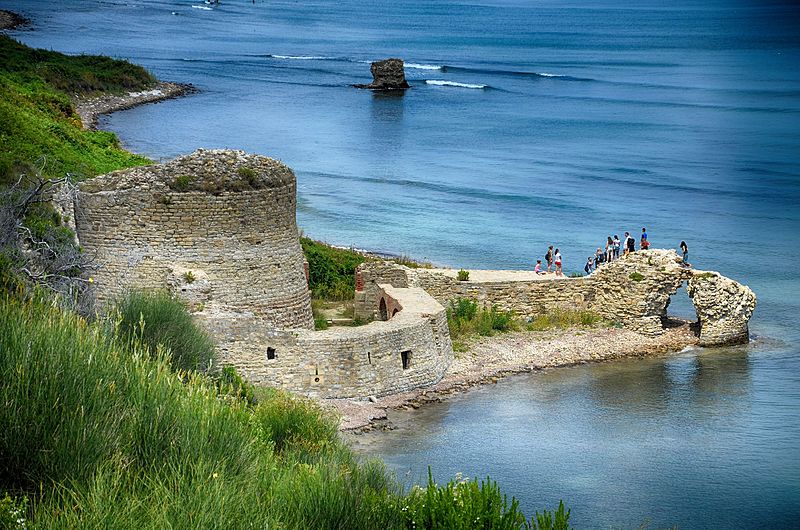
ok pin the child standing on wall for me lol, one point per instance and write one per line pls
(559, 270)
(644, 244)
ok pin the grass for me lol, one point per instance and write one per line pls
(98, 434)
(636, 276)
(563, 319)
(101, 435)
(467, 320)
(159, 321)
(38, 124)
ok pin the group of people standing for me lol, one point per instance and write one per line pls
(613, 248)
(553, 258)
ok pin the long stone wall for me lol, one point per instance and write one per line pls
(218, 227)
(634, 291)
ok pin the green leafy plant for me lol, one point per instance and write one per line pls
(189, 277)
(331, 270)
(249, 175)
(320, 320)
(463, 275)
(558, 520)
(181, 183)
(636, 276)
(13, 512)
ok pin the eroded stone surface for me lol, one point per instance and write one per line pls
(723, 306)
(388, 74)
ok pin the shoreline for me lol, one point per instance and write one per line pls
(492, 358)
(11, 20)
(90, 109)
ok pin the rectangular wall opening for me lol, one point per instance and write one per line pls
(270, 353)
(405, 356)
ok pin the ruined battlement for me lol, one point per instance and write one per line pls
(633, 290)
(221, 237)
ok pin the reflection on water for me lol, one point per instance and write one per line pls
(685, 439)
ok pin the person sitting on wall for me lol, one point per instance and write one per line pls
(538, 268)
(589, 267)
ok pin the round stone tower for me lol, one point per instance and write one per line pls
(216, 226)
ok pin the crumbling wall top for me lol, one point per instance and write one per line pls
(212, 171)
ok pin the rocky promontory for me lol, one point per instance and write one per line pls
(11, 20)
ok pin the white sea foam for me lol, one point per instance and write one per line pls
(545, 74)
(301, 57)
(422, 66)
(204, 8)
(437, 82)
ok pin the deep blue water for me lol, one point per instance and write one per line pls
(594, 118)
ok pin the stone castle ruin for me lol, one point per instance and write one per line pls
(217, 228)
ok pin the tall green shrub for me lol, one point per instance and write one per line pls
(160, 320)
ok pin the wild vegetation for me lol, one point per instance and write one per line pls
(467, 320)
(39, 129)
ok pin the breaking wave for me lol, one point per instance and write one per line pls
(437, 82)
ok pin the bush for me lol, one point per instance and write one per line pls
(331, 270)
(463, 275)
(158, 320)
(230, 383)
(13, 512)
(320, 320)
(465, 320)
(461, 505)
(636, 276)
(290, 422)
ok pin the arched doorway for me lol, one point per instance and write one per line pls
(383, 312)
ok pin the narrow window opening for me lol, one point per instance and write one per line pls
(369, 357)
(270, 353)
(406, 358)
(384, 313)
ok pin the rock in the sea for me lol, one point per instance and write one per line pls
(387, 75)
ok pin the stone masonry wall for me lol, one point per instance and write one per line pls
(343, 361)
(217, 227)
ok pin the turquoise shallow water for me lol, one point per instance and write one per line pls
(593, 118)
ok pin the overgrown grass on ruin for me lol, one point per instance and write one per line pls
(563, 319)
(332, 270)
(38, 123)
(466, 320)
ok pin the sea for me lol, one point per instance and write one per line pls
(529, 123)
